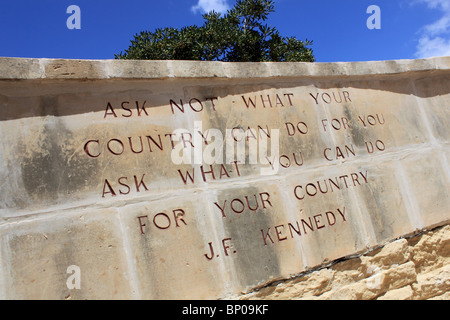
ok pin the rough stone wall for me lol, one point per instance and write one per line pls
(414, 268)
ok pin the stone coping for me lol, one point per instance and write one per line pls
(35, 69)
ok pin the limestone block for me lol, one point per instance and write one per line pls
(445, 296)
(255, 216)
(20, 68)
(427, 172)
(41, 256)
(327, 220)
(171, 244)
(430, 251)
(377, 284)
(63, 69)
(404, 293)
(123, 69)
(207, 179)
(396, 252)
(434, 283)
(434, 107)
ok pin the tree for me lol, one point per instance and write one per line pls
(238, 35)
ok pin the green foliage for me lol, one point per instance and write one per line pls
(238, 35)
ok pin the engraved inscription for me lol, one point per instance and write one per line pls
(253, 204)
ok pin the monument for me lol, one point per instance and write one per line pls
(206, 180)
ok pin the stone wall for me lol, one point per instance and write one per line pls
(414, 268)
(203, 180)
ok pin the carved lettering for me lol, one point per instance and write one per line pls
(210, 172)
(377, 145)
(247, 203)
(339, 152)
(324, 186)
(303, 226)
(125, 110)
(109, 189)
(335, 124)
(163, 220)
(194, 104)
(226, 245)
(301, 128)
(331, 97)
(372, 120)
(268, 100)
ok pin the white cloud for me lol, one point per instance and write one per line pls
(210, 5)
(435, 38)
(433, 47)
(440, 26)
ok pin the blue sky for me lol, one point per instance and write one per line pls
(409, 28)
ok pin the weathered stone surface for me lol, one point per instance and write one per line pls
(204, 180)
(434, 283)
(392, 272)
(168, 241)
(36, 254)
(404, 293)
(396, 252)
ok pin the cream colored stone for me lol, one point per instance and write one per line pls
(428, 191)
(362, 160)
(431, 250)
(354, 291)
(377, 284)
(69, 69)
(445, 296)
(315, 285)
(434, 283)
(169, 246)
(356, 278)
(404, 293)
(396, 252)
(37, 253)
(307, 287)
(11, 68)
(400, 276)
